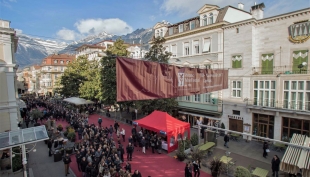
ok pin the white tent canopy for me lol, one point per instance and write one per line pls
(296, 159)
(78, 101)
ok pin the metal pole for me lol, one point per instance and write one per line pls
(199, 133)
(24, 160)
(259, 137)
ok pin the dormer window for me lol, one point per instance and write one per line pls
(192, 25)
(211, 18)
(181, 28)
(205, 20)
(171, 31)
(55, 61)
(161, 33)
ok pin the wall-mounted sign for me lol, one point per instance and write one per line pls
(235, 117)
(299, 32)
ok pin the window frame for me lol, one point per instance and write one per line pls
(186, 48)
(260, 91)
(291, 96)
(210, 18)
(197, 98)
(236, 89)
(180, 31)
(196, 47)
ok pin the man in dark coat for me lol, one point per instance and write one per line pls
(67, 161)
(83, 166)
(226, 140)
(136, 174)
(49, 145)
(275, 163)
(129, 150)
(78, 157)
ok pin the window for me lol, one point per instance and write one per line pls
(186, 48)
(205, 20)
(197, 98)
(171, 31)
(208, 97)
(206, 45)
(237, 61)
(161, 33)
(296, 95)
(267, 63)
(291, 126)
(187, 98)
(236, 89)
(211, 18)
(196, 47)
(174, 50)
(55, 61)
(236, 112)
(61, 68)
(61, 62)
(300, 62)
(192, 25)
(237, 30)
(67, 61)
(167, 49)
(181, 28)
(56, 76)
(157, 33)
(264, 93)
(208, 66)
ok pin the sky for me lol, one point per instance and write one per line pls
(68, 20)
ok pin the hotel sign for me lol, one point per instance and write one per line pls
(299, 32)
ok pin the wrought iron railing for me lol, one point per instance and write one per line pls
(293, 105)
(279, 70)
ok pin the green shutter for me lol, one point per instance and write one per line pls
(267, 65)
(298, 61)
(236, 63)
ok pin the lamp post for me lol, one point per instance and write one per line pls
(227, 155)
(300, 66)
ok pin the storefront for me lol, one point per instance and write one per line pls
(292, 125)
(235, 123)
(204, 119)
(263, 125)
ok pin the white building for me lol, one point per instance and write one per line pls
(198, 42)
(8, 104)
(95, 51)
(136, 51)
(269, 78)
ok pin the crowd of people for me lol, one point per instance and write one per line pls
(100, 149)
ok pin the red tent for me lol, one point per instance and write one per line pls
(165, 124)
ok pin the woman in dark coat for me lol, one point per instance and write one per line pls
(265, 147)
(275, 165)
(187, 170)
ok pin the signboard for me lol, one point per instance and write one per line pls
(142, 80)
(299, 32)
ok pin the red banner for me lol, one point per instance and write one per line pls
(143, 80)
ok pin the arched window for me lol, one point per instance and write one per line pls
(211, 18)
(205, 20)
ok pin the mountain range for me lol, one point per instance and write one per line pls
(31, 50)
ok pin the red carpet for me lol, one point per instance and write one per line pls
(154, 165)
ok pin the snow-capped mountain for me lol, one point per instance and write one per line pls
(32, 50)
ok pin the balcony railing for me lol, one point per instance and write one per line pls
(273, 104)
(279, 70)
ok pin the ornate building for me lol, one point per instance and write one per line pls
(94, 52)
(8, 103)
(53, 67)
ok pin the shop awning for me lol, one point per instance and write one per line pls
(199, 115)
(295, 158)
(22, 136)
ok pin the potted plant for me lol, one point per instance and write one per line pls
(69, 150)
(17, 160)
(71, 136)
(216, 167)
(242, 172)
(181, 154)
(187, 146)
(59, 127)
(194, 140)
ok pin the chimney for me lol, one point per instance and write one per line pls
(257, 11)
(240, 6)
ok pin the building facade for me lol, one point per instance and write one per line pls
(136, 51)
(9, 109)
(52, 68)
(269, 78)
(95, 51)
(198, 42)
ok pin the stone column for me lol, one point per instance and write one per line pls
(277, 127)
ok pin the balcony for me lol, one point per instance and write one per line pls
(276, 70)
(283, 105)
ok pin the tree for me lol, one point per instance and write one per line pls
(157, 53)
(108, 72)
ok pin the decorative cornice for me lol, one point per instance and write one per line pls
(198, 30)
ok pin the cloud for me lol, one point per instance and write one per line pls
(18, 31)
(94, 26)
(67, 34)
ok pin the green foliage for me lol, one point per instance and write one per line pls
(36, 114)
(17, 161)
(216, 165)
(187, 143)
(157, 52)
(181, 154)
(223, 125)
(71, 135)
(194, 139)
(119, 48)
(198, 154)
(242, 172)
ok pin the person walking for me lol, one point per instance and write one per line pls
(187, 170)
(67, 161)
(123, 134)
(129, 150)
(143, 144)
(275, 166)
(197, 167)
(99, 121)
(49, 145)
(226, 140)
(265, 148)
(78, 157)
